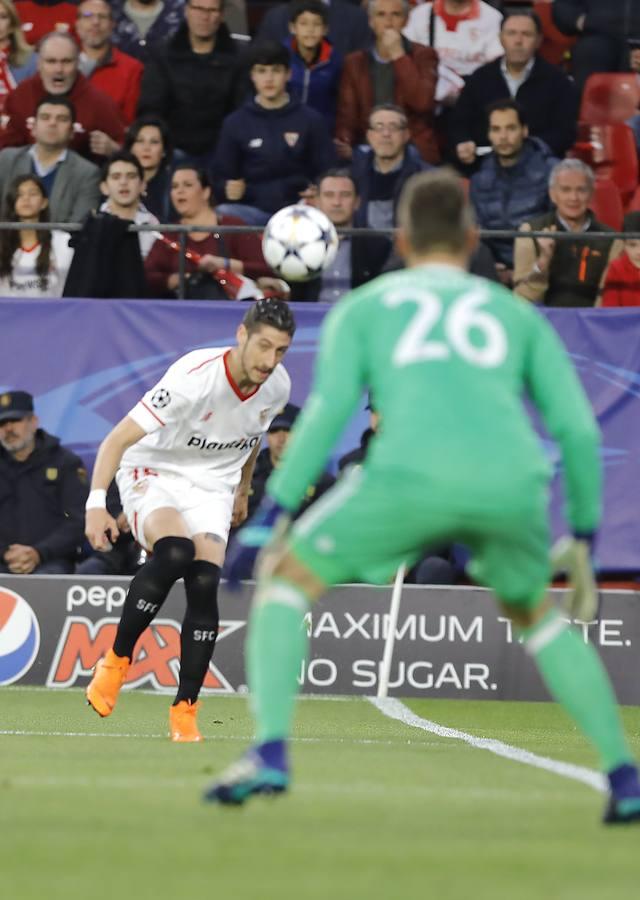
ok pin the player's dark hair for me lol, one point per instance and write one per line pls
(268, 53)
(270, 311)
(53, 100)
(434, 212)
(317, 7)
(507, 103)
(121, 156)
(512, 11)
(150, 121)
(10, 240)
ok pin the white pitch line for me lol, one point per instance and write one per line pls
(208, 737)
(395, 709)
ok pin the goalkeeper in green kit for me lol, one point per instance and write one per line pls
(448, 358)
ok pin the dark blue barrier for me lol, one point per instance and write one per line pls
(88, 361)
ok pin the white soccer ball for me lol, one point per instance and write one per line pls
(299, 242)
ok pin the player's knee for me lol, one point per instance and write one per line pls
(201, 585)
(174, 555)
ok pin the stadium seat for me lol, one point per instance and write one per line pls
(607, 203)
(609, 97)
(556, 46)
(611, 152)
(634, 204)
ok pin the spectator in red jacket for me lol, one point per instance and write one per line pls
(107, 68)
(622, 282)
(41, 17)
(393, 70)
(96, 113)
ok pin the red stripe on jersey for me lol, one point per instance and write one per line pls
(152, 413)
(200, 365)
(234, 387)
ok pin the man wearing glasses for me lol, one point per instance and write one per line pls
(107, 68)
(192, 81)
(381, 168)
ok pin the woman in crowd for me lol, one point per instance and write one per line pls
(32, 263)
(241, 253)
(148, 139)
(17, 59)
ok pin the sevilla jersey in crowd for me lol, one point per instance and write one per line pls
(199, 424)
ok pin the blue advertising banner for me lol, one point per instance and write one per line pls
(88, 361)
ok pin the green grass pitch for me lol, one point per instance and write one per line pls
(96, 809)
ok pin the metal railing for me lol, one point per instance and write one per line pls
(183, 230)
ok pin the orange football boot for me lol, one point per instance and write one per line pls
(108, 677)
(183, 727)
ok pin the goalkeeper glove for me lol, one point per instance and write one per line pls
(572, 555)
(252, 538)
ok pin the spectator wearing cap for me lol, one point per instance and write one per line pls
(269, 459)
(43, 489)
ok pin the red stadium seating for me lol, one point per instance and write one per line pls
(634, 205)
(607, 203)
(611, 152)
(556, 46)
(610, 97)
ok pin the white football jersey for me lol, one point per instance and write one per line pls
(474, 42)
(198, 423)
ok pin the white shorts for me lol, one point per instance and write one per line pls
(144, 490)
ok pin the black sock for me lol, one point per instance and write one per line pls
(199, 628)
(148, 590)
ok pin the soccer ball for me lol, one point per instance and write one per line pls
(299, 242)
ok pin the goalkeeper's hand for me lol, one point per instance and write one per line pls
(572, 555)
(250, 540)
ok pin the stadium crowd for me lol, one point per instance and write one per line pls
(535, 102)
(208, 113)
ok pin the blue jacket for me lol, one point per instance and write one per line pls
(316, 85)
(506, 197)
(278, 152)
(363, 175)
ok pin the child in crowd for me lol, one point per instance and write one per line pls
(315, 65)
(32, 263)
(622, 282)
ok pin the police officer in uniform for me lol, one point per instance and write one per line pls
(43, 489)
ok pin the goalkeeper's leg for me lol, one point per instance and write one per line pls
(276, 646)
(576, 678)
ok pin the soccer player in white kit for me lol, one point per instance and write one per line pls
(184, 457)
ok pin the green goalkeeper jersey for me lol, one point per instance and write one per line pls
(449, 359)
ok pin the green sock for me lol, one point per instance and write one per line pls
(276, 645)
(576, 678)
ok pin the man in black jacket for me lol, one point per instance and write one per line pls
(43, 489)
(359, 258)
(547, 96)
(603, 28)
(192, 81)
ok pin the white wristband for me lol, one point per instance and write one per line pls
(97, 499)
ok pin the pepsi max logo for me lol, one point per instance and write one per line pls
(19, 636)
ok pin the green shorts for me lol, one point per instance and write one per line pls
(371, 521)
